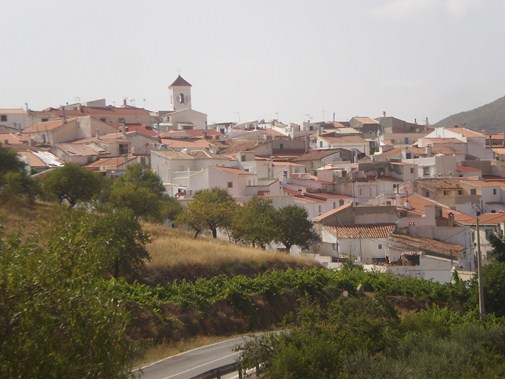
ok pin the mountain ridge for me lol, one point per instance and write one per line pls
(489, 117)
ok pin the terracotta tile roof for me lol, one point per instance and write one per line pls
(332, 212)
(186, 143)
(443, 140)
(233, 170)
(396, 151)
(499, 150)
(75, 149)
(429, 246)
(466, 132)
(441, 183)
(483, 183)
(97, 112)
(366, 120)
(11, 139)
(180, 82)
(445, 150)
(362, 231)
(108, 163)
(48, 125)
(140, 129)
(286, 164)
(487, 219)
(419, 203)
(32, 159)
(316, 154)
(499, 136)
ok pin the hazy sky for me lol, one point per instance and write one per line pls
(257, 59)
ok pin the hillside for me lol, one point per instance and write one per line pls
(489, 117)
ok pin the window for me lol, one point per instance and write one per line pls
(380, 246)
(426, 171)
(394, 186)
(494, 191)
(320, 143)
(334, 205)
(460, 192)
(446, 193)
(103, 119)
(3, 117)
(411, 170)
(123, 149)
(406, 140)
(121, 120)
(282, 146)
(473, 191)
(230, 184)
(242, 158)
(408, 156)
(44, 120)
(319, 208)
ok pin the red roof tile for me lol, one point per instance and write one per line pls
(363, 231)
(429, 246)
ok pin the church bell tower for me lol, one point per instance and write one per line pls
(180, 94)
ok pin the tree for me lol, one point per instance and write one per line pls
(142, 191)
(255, 223)
(321, 341)
(110, 243)
(498, 244)
(210, 209)
(14, 181)
(58, 318)
(9, 161)
(294, 228)
(140, 176)
(493, 277)
(18, 185)
(72, 183)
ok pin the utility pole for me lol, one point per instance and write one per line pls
(482, 311)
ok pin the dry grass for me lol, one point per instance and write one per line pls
(175, 254)
(175, 246)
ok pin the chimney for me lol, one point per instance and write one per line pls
(429, 150)
(383, 113)
(427, 122)
(123, 130)
(333, 116)
(398, 200)
(97, 133)
(450, 219)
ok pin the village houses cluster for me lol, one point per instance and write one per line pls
(391, 195)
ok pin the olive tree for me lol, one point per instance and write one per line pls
(72, 183)
(209, 209)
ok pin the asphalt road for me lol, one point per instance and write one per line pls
(193, 362)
